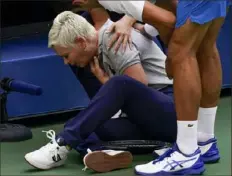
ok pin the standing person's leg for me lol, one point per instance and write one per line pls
(194, 19)
(211, 81)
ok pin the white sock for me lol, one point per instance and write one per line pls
(187, 136)
(206, 121)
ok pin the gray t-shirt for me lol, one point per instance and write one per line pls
(144, 51)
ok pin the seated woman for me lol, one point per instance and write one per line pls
(84, 75)
(97, 18)
(125, 76)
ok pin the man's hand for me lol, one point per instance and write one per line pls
(98, 72)
(122, 33)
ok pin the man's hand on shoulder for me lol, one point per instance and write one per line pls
(121, 33)
(126, 62)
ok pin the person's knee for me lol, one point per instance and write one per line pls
(185, 42)
(208, 46)
(123, 84)
(178, 55)
(207, 53)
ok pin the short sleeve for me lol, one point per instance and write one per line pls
(121, 60)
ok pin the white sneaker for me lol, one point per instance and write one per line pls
(49, 156)
(175, 163)
(209, 151)
(107, 160)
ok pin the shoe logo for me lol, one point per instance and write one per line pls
(56, 158)
(190, 125)
(174, 164)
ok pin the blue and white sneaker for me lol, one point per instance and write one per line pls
(209, 151)
(175, 163)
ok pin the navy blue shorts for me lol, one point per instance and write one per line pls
(200, 11)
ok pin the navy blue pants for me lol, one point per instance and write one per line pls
(151, 115)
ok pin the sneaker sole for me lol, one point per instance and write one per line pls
(211, 160)
(102, 162)
(190, 171)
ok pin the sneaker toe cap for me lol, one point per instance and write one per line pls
(143, 168)
(36, 160)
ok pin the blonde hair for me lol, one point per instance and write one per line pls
(67, 26)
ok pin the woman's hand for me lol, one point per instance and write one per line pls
(101, 75)
(122, 33)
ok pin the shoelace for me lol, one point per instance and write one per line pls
(165, 157)
(51, 134)
(85, 168)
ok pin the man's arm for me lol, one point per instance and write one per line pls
(122, 28)
(169, 5)
(130, 8)
(160, 15)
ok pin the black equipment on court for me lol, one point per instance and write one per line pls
(14, 132)
(8, 84)
(136, 146)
